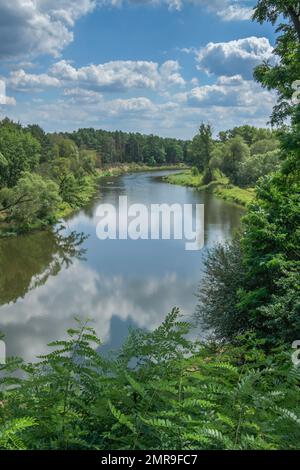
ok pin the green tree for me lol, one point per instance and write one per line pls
(88, 161)
(236, 151)
(20, 152)
(218, 294)
(174, 152)
(286, 70)
(201, 147)
(258, 166)
(32, 201)
(264, 146)
(47, 147)
(267, 300)
(250, 134)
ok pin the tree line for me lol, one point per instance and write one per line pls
(243, 154)
(43, 174)
(121, 147)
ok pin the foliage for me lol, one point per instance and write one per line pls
(19, 150)
(219, 186)
(201, 147)
(72, 161)
(261, 147)
(249, 134)
(236, 151)
(162, 391)
(258, 166)
(121, 147)
(10, 431)
(266, 296)
(217, 310)
(33, 201)
(282, 73)
(271, 242)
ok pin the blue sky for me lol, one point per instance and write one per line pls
(152, 66)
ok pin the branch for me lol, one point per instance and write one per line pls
(20, 200)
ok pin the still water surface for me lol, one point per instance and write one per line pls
(46, 279)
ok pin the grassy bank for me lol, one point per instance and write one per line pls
(184, 179)
(221, 187)
(134, 168)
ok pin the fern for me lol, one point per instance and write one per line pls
(161, 391)
(10, 432)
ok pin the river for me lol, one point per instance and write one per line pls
(48, 278)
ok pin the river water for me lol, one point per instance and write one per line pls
(46, 279)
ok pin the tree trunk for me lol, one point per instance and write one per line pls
(295, 19)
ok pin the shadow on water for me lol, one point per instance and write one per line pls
(29, 260)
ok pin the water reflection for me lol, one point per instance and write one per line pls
(27, 262)
(48, 278)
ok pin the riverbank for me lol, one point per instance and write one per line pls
(92, 182)
(88, 188)
(220, 187)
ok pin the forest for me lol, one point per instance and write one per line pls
(237, 390)
(232, 164)
(45, 176)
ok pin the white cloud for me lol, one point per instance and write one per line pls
(34, 27)
(4, 99)
(120, 75)
(138, 106)
(235, 13)
(80, 95)
(23, 81)
(114, 76)
(234, 57)
(229, 92)
(231, 101)
(227, 10)
(170, 73)
(8, 101)
(37, 27)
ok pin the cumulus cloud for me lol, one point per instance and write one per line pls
(120, 75)
(234, 57)
(23, 81)
(227, 10)
(132, 105)
(235, 13)
(4, 99)
(229, 92)
(34, 27)
(80, 95)
(114, 76)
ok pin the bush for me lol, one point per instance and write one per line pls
(161, 392)
(34, 200)
(217, 310)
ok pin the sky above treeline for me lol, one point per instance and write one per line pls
(149, 66)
